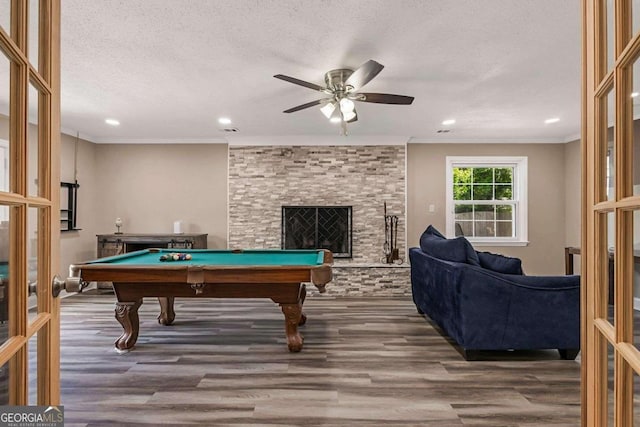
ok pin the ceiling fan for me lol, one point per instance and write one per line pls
(342, 86)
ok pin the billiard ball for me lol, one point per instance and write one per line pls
(163, 258)
(176, 257)
(187, 257)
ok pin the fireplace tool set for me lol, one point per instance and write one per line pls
(390, 247)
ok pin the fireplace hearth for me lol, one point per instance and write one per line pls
(321, 227)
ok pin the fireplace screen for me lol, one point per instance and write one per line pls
(317, 227)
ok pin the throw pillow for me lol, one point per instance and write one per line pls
(433, 243)
(500, 263)
(472, 255)
(432, 231)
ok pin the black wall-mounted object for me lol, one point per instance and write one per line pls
(69, 212)
(318, 227)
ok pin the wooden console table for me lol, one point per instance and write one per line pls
(570, 251)
(116, 244)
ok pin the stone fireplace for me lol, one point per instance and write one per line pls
(264, 179)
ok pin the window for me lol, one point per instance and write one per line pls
(487, 199)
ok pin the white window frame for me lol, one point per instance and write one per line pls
(519, 165)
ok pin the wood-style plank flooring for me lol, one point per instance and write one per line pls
(365, 362)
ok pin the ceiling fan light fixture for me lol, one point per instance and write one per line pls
(346, 106)
(328, 109)
(343, 85)
(349, 115)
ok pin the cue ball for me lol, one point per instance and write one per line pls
(187, 256)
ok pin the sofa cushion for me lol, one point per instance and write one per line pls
(500, 263)
(433, 243)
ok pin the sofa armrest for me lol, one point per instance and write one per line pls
(433, 290)
(513, 311)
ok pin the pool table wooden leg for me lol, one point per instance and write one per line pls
(292, 313)
(127, 315)
(167, 315)
(303, 295)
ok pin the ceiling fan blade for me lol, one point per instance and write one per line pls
(307, 105)
(299, 82)
(364, 74)
(384, 98)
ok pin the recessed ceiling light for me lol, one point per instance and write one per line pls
(552, 120)
(448, 122)
(335, 119)
(634, 94)
(112, 122)
(224, 121)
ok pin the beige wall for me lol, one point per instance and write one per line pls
(573, 198)
(426, 184)
(572, 178)
(151, 186)
(78, 246)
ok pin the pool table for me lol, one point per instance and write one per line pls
(276, 274)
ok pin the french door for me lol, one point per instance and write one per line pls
(29, 201)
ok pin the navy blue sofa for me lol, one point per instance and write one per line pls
(484, 301)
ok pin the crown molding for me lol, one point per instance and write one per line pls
(280, 140)
(574, 137)
(182, 141)
(488, 141)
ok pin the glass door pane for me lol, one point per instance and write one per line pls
(34, 42)
(636, 399)
(609, 148)
(610, 34)
(610, 385)
(635, 16)
(5, 162)
(33, 369)
(4, 274)
(607, 284)
(5, 16)
(4, 384)
(33, 222)
(33, 141)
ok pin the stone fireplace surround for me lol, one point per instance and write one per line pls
(262, 179)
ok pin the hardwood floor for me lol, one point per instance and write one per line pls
(365, 362)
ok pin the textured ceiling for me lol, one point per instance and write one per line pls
(167, 69)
